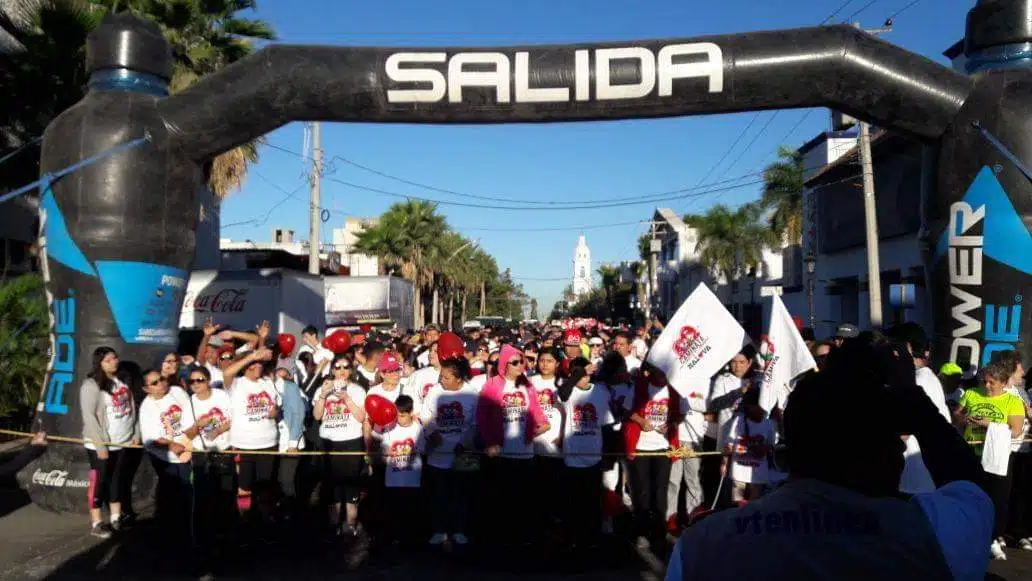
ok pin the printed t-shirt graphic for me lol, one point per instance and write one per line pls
(656, 410)
(995, 409)
(212, 416)
(338, 423)
(402, 445)
(252, 428)
(515, 408)
(548, 399)
(120, 414)
(451, 414)
(587, 411)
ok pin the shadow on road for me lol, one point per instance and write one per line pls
(148, 552)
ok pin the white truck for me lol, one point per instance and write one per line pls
(353, 302)
(241, 299)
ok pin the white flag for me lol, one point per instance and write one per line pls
(699, 339)
(784, 356)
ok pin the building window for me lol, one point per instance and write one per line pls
(582, 273)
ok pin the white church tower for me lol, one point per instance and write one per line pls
(581, 269)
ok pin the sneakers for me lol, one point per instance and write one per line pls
(122, 522)
(997, 551)
(101, 530)
(460, 539)
(1025, 543)
(438, 539)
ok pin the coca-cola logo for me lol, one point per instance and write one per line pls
(227, 300)
(56, 479)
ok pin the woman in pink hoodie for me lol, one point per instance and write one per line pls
(508, 419)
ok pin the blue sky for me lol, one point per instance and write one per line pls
(557, 162)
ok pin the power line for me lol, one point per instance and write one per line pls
(837, 10)
(902, 10)
(265, 218)
(553, 229)
(862, 8)
(547, 203)
(730, 149)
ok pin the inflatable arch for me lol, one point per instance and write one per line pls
(119, 234)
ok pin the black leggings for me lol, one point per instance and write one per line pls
(105, 480)
(256, 468)
(650, 478)
(999, 489)
(344, 473)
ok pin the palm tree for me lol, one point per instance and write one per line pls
(783, 193)
(731, 241)
(206, 35)
(44, 64)
(401, 239)
(645, 246)
(610, 276)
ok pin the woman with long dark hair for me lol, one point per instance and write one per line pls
(339, 409)
(109, 423)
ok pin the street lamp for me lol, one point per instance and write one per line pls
(811, 266)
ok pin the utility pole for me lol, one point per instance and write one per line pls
(654, 248)
(315, 203)
(871, 212)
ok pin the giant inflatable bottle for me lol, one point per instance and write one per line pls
(118, 234)
(981, 215)
(117, 237)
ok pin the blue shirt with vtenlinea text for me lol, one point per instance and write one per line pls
(809, 529)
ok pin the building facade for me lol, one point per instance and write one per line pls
(344, 241)
(679, 271)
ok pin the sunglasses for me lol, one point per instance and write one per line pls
(515, 362)
(225, 358)
(531, 359)
(195, 380)
(340, 367)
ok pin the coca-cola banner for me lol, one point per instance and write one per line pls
(240, 304)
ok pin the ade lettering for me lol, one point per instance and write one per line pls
(1004, 238)
(143, 300)
(657, 72)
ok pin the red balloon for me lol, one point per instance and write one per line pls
(338, 341)
(287, 342)
(381, 410)
(449, 346)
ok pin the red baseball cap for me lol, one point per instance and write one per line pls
(389, 362)
(572, 337)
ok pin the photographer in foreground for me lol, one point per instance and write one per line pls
(840, 515)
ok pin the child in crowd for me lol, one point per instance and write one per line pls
(750, 440)
(402, 444)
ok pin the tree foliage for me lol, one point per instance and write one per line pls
(43, 72)
(24, 343)
(415, 242)
(731, 242)
(783, 195)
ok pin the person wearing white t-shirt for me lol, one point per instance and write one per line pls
(401, 445)
(310, 344)
(422, 380)
(613, 376)
(548, 461)
(639, 348)
(164, 419)
(587, 413)
(750, 440)
(449, 414)
(686, 471)
(726, 392)
(339, 409)
(108, 417)
(255, 425)
(213, 474)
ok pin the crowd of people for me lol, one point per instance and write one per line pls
(577, 417)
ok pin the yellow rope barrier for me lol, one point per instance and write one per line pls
(679, 453)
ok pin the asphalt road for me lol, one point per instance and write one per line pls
(38, 545)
